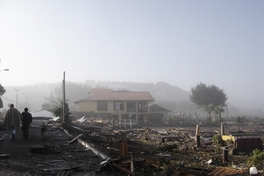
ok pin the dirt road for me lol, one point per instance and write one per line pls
(52, 156)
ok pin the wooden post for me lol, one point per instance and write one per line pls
(197, 132)
(132, 163)
(123, 147)
(120, 121)
(113, 123)
(222, 129)
(197, 140)
(197, 136)
(225, 156)
(51, 100)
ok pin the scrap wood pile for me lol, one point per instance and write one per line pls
(145, 151)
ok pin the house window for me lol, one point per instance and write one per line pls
(142, 107)
(119, 106)
(131, 106)
(139, 106)
(101, 105)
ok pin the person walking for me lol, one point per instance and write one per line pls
(12, 121)
(26, 121)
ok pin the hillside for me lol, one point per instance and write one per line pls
(33, 96)
(160, 91)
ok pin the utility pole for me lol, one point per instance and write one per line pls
(63, 98)
(16, 96)
(226, 111)
(51, 100)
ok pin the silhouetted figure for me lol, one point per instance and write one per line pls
(26, 121)
(43, 131)
(12, 121)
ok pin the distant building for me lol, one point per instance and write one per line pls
(119, 104)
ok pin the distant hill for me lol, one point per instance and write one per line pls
(160, 91)
(33, 96)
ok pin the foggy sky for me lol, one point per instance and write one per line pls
(180, 42)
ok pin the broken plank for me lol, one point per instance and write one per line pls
(95, 151)
(74, 139)
(123, 169)
(4, 156)
(2, 138)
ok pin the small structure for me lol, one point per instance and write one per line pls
(244, 142)
(248, 144)
(41, 117)
(42, 114)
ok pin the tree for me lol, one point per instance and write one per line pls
(208, 97)
(46, 106)
(2, 91)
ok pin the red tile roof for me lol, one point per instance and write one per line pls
(110, 95)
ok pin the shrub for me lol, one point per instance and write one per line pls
(256, 159)
(217, 140)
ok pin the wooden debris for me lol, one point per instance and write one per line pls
(45, 149)
(132, 163)
(177, 148)
(123, 147)
(4, 156)
(2, 138)
(68, 134)
(123, 169)
(74, 139)
(95, 151)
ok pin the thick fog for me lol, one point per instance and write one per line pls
(181, 43)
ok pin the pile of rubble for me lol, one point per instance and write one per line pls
(146, 151)
(98, 148)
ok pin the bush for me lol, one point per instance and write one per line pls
(217, 140)
(256, 159)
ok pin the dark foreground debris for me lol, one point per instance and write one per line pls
(167, 151)
(81, 149)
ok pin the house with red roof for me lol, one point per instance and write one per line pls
(119, 104)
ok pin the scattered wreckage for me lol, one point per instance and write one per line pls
(150, 151)
(140, 151)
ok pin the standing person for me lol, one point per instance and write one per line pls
(26, 121)
(12, 121)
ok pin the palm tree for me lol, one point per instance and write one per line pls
(218, 110)
(58, 110)
(209, 108)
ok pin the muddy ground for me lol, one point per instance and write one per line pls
(152, 156)
(52, 156)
